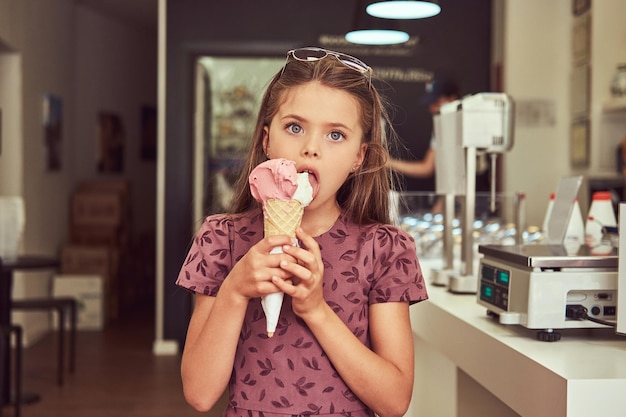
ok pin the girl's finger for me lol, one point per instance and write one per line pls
(307, 240)
(270, 242)
(285, 286)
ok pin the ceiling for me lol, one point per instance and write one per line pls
(138, 12)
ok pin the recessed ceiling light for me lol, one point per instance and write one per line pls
(377, 37)
(398, 9)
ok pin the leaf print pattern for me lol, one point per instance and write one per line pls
(205, 238)
(311, 363)
(282, 403)
(248, 380)
(339, 236)
(201, 267)
(266, 367)
(352, 275)
(219, 254)
(348, 255)
(192, 257)
(245, 234)
(303, 387)
(290, 374)
(301, 344)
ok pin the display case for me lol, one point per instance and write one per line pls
(228, 93)
(421, 215)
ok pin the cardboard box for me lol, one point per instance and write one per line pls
(102, 203)
(99, 235)
(86, 259)
(120, 186)
(93, 208)
(98, 260)
(88, 290)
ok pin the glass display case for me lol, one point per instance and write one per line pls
(421, 215)
(228, 91)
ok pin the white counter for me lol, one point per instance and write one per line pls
(582, 375)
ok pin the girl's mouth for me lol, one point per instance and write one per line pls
(313, 180)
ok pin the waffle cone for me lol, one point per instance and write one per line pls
(282, 217)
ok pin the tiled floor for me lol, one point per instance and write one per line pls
(116, 376)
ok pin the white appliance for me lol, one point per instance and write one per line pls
(480, 122)
(450, 179)
(548, 287)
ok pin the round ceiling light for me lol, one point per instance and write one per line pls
(377, 37)
(410, 9)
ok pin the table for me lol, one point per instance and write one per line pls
(7, 269)
(582, 375)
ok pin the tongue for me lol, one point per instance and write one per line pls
(314, 184)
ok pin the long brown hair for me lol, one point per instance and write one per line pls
(364, 196)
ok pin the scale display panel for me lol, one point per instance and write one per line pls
(494, 285)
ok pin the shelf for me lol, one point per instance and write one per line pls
(614, 105)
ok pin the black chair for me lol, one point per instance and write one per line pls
(5, 343)
(63, 306)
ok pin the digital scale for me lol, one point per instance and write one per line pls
(539, 286)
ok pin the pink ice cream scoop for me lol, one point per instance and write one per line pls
(274, 179)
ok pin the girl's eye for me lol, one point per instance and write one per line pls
(336, 136)
(294, 128)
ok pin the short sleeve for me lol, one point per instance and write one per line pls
(209, 259)
(397, 272)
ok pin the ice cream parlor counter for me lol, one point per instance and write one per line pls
(468, 364)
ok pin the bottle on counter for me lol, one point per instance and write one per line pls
(544, 228)
(601, 214)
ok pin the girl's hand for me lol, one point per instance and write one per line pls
(251, 277)
(307, 272)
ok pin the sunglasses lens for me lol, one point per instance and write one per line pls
(309, 54)
(359, 66)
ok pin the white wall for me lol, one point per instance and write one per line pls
(115, 71)
(91, 62)
(10, 104)
(46, 68)
(608, 46)
(42, 59)
(537, 66)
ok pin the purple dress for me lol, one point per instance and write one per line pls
(289, 374)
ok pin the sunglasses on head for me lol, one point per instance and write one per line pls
(310, 54)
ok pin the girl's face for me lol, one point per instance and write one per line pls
(319, 128)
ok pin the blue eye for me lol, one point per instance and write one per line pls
(336, 136)
(294, 128)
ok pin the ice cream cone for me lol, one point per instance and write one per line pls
(284, 193)
(282, 217)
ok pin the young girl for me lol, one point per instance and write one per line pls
(343, 345)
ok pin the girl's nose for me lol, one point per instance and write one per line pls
(311, 148)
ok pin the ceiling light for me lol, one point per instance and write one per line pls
(398, 9)
(377, 37)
